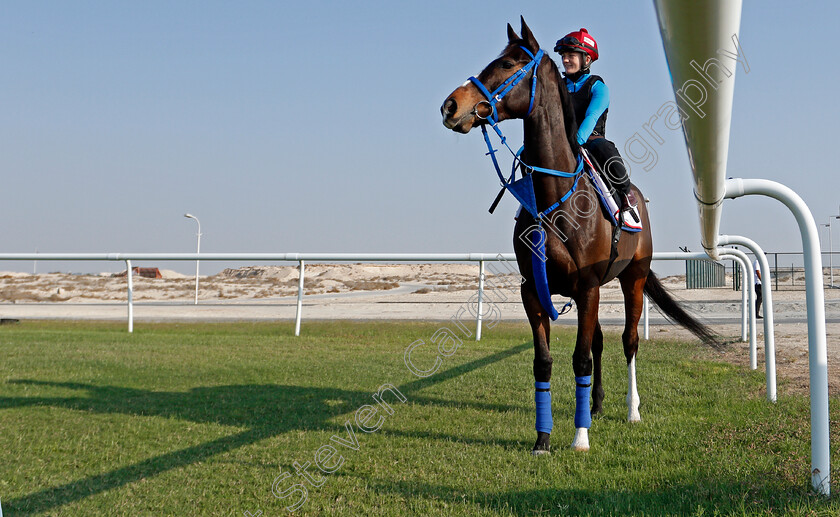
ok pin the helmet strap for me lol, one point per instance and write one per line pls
(577, 75)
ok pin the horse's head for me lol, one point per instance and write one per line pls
(468, 106)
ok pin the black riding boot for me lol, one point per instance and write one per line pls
(609, 161)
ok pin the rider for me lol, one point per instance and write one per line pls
(591, 102)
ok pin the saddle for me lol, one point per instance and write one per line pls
(631, 221)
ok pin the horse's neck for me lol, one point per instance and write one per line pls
(546, 143)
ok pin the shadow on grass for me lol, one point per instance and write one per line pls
(263, 410)
(702, 497)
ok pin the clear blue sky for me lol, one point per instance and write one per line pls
(314, 126)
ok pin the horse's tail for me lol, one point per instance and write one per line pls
(656, 291)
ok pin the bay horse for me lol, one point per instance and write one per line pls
(577, 249)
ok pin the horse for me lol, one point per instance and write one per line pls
(579, 252)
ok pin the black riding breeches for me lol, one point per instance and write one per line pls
(609, 161)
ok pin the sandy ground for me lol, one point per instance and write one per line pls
(400, 292)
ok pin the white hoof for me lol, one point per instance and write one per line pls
(633, 409)
(540, 452)
(581, 441)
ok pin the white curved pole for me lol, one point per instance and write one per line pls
(299, 299)
(747, 287)
(197, 252)
(767, 296)
(815, 301)
(129, 275)
(480, 300)
(744, 297)
(745, 307)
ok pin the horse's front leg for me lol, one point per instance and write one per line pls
(582, 363)
(540, 326)
(597, 380)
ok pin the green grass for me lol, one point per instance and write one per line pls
(199, 419)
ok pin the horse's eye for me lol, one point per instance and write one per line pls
(506, 64)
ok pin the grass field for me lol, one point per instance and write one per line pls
(203, 419)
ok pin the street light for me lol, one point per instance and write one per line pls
(197, 250)
(830, 251)
(830, 265)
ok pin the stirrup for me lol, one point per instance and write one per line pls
(627, 207)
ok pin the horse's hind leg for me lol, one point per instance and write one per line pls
(540, 326)
(597, 386)
(633, 288)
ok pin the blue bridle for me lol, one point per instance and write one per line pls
(523, 189)
(499, 93)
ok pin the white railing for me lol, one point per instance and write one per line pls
(300, 258)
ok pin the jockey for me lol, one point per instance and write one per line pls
(591, 102)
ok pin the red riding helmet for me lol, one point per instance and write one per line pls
(579, 41)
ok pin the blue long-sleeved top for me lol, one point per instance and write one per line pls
(599, 102)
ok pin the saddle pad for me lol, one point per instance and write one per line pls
(629, 222)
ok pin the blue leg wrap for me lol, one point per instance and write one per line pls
(583, 418)
(542, 398)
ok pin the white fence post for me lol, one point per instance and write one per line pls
(748, 295)
(646, 310)
(769, 332)
(129, 275)
(299, 300)
(744, 300)
(480, 300)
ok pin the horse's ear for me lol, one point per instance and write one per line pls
(512, 35)
(528, 37)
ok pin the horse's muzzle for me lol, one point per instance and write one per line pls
(448, 111)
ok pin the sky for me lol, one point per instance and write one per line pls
(315, 126)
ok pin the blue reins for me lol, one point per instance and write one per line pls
(524, 193)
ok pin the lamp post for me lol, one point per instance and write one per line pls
(197, 250)
(830, 252)
(830, 269)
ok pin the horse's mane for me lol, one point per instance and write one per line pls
(568, 111)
